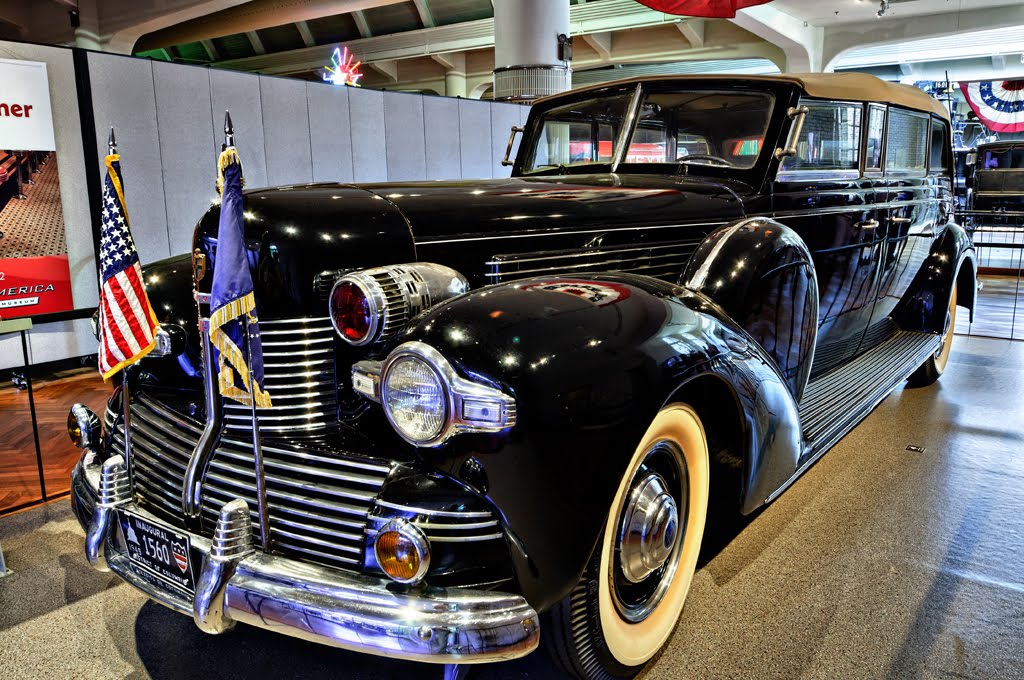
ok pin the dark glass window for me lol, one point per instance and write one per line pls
(939, 161)
(876, 133)
(829, 140)
(905, 142)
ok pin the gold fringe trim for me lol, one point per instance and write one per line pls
(231, 359)
(227, 157)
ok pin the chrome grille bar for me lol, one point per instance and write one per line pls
(661, 260)
(318, 498)
(299, 372)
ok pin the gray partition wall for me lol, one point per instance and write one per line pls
(170, 118)
(169, 121)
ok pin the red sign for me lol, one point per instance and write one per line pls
(34, 285)
(715, 9)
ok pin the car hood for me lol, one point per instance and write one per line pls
(452, 210)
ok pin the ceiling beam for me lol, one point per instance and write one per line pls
(802, 43)
(693, 31)
(254, 40)
(426, 18)
(593, 17)
(361, 25)
(240, 16)
(307, 36)
(451, 61)
(389, 69)
(600, 43)
(211, 49)
(893, 30)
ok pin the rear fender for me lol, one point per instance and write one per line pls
(951, 262)
(590, 362)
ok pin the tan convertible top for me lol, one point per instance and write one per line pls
(843, 86)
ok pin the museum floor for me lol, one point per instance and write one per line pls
(879, 562)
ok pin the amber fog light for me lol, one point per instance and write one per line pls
(402, 551)
(84, 427)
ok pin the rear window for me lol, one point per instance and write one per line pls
(938, 161)
(906, 141)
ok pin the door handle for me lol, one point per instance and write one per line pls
(900, 220)
(867, 224)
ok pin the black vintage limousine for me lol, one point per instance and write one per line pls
(502, 407)
(995, 184)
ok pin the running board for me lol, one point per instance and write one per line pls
(835, 402)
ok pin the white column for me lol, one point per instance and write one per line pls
(526, 48)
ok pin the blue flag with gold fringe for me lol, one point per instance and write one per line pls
(232, 304)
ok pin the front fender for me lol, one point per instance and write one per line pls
(951, 262)
(590, 362)
(760, 272)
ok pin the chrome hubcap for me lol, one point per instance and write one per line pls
(650, 529)
(649, 540)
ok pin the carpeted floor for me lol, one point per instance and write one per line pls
(879, 563)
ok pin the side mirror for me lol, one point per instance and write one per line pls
(508, 149)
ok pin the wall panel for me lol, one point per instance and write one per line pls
(442, 141)
(475, 133)
(369, 150)
(329, 132)
(240, 94)
(123, 97)
(187, 148)
(403, 136)
(503, 118)
(286, 130)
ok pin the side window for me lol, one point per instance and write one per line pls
(876, 133)
(906, 141)
(938, 160)
(830, 139)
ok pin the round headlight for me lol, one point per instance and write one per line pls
(415, 399)
(354, 312)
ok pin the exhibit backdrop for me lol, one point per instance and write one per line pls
(35, 277)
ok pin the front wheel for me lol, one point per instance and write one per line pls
(932, 368)
(631, 594)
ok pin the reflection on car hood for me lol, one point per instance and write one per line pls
(439, 211)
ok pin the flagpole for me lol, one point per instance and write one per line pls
(126, 407)
(257, 439)
(257, 444)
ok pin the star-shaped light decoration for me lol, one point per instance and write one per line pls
(342, 70)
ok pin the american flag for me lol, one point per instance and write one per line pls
(127, 323)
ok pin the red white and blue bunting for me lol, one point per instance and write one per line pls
(999, 104)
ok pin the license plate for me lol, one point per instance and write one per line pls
(159, 550)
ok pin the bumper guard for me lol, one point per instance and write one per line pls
(354, 612)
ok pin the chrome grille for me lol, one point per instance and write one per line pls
(317, 503)
(299, 367)
(318, 499)
(440, 526)
(162, 442)
(663, 260)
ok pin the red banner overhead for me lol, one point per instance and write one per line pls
(713, 9)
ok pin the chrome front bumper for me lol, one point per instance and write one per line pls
(354, 612)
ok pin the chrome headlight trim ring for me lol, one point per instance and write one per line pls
(374, 299)
(471, 406)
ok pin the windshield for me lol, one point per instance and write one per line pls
(695, 127)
